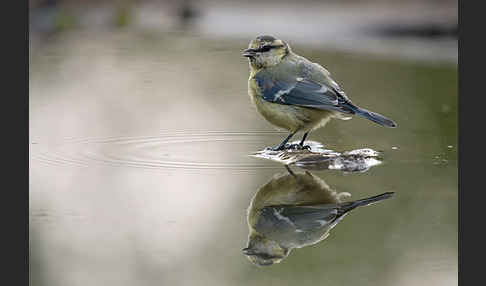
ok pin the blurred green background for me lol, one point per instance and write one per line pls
(141, 126)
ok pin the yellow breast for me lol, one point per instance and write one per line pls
(288, 117)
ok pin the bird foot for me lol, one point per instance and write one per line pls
(276, 148)
(307, 147)
(288, 147)
(297, 147)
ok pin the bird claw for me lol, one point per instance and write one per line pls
(276, 148)
(307, 147)
(287, 146)
(298, 147)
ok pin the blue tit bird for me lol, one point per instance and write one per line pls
(294, 210)
(295, 94)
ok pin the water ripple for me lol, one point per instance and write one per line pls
(167, 150)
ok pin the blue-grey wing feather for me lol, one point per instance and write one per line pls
(296, 218)
(302, 92)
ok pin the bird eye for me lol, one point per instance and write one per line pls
(265, 48)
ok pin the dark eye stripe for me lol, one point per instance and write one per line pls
(266, 48)
(266, 255)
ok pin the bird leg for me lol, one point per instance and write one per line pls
(301, 144)
(282, 145)
(290, 171)
(303, 139)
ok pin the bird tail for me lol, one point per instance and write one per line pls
(348, 206)
(373, 116)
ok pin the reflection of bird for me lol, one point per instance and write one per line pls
(295, 94)
(292, 211)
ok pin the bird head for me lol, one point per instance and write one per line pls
(266, 51)
(264, 252)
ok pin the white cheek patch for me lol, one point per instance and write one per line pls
(270, 58)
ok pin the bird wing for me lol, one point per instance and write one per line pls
(296, 219)
(303, 89)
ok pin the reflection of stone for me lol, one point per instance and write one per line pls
(318, 158)
(294, 210)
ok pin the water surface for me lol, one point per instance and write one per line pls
(141, 169)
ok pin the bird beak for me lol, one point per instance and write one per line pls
(247, 251)
(249, 53)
